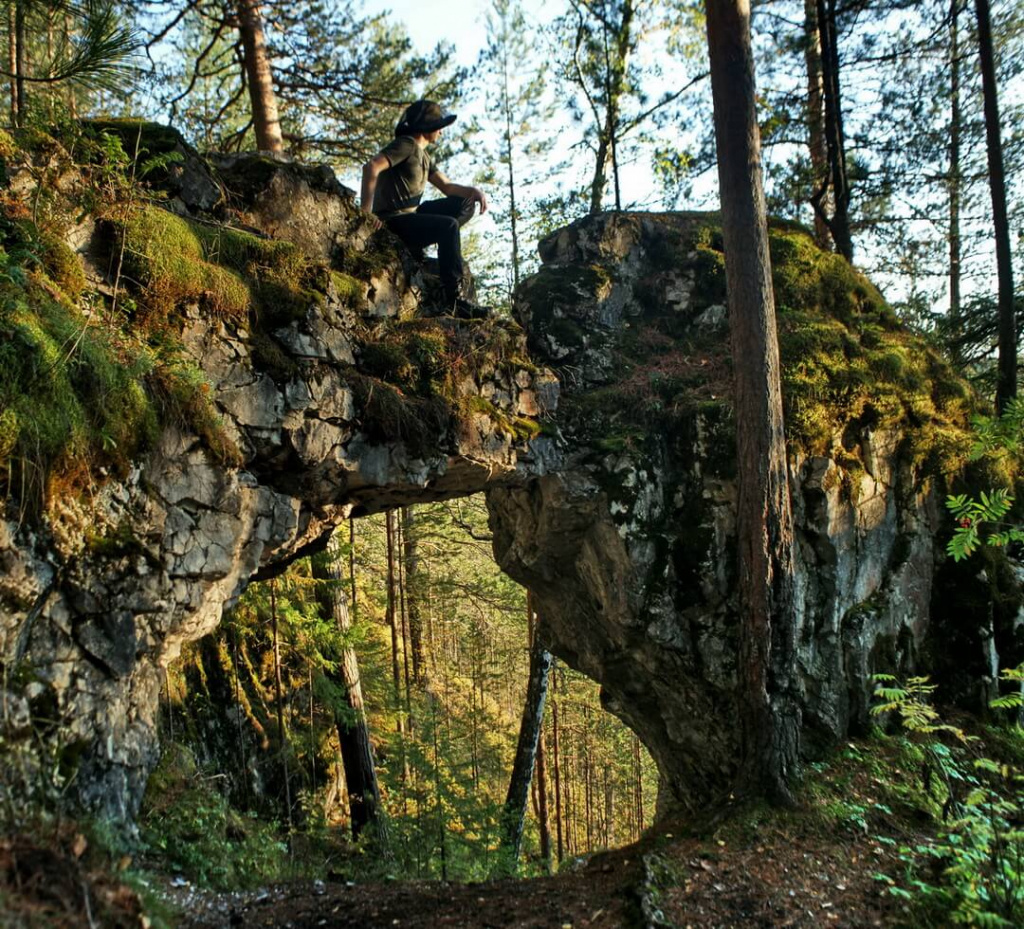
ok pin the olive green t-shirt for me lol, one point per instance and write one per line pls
(400, 186)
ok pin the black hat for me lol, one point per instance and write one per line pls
(423, 116)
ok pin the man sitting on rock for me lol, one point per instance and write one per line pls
(393, 185)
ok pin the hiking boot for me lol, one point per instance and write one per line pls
(466, 309)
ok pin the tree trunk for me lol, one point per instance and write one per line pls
(404, 616)
(814, 115)
(954, 171)
(12, 60)
(353, 731)
(1006, 384)
(279, 701)
(413, 593)
(555, 763)
(20, 61)
(542, 803)
(835, 139)
(638, 787)
(616, 60)
(769, 734)
(259, 78)
(600, 177)
(514, 813)
(506, 104)
(389, 613)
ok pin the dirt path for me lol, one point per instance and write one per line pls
(769, 877)
(603, 895)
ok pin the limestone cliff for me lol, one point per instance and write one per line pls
(629, 545)
(315, 389)
(322, 396)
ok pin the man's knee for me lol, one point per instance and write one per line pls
(466, 211)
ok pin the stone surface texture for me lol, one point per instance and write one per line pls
(627, 542)
(99, 599)
(628, 547)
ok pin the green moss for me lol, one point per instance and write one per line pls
(350, 290)
(847, 365)
(229, 271)
(164, 253)
(118, 542)
(268, 356)
(68, 393)
(62, 265)
(8, 148)
(183, 393)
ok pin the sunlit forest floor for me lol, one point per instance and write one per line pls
(841, 857)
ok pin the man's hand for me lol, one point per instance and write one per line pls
(372, 219)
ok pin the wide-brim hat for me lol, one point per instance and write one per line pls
(424, 116)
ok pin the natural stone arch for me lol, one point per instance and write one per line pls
(629, 545)
(618, 514)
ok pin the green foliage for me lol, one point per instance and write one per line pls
(972, 873)
(997, 438)
(443, 747)
(189, 823)
(71, 395)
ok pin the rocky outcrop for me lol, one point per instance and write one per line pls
(344, 405)
(629, 547)
(337, 398)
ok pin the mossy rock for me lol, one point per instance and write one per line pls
(62, 265)
(228, 270)
(165, 254)
(143, 136)
(847, 364)
(69, 393)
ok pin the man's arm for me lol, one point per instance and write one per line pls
(371, 169)
(450, 189)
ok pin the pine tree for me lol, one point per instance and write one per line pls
(769, 732)
(365, 806)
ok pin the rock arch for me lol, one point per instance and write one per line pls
(614, 505)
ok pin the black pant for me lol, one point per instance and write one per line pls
(437, 222)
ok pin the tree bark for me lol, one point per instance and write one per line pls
(389, 612)
(835, 138)
(279, 701)
(814, 117)
(506, 105)
(769, 734)
(514, 813)
(353, 731)
(1006, 383)
(542, 803)
(259, 78)
(20, 62)
(954, 170)
(555, 767)
(616, 60)
(413, 592)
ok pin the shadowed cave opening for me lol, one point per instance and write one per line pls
(249, 724)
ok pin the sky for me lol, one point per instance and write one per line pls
(467, 32)
(428, 25)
